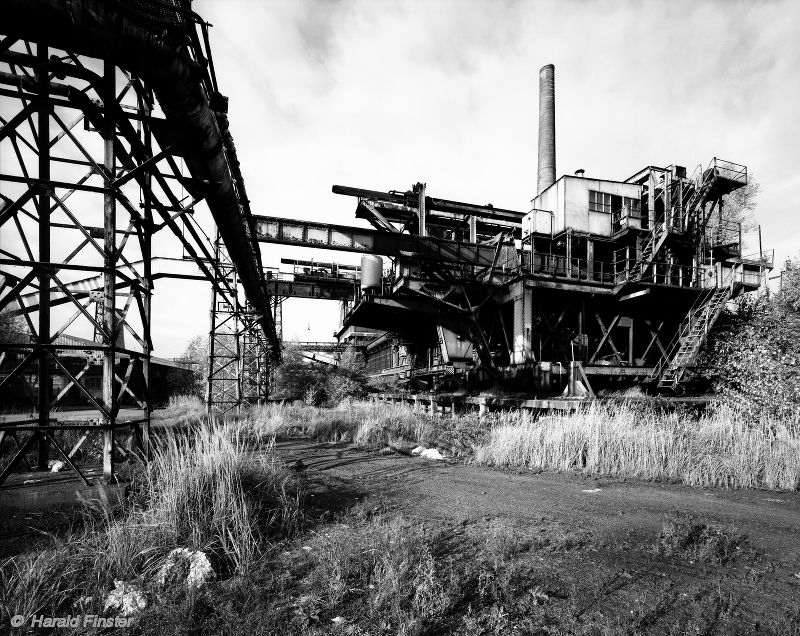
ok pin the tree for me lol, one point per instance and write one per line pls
(740, 205)
(196, 354)
(789, 292)
(298, 378)
(348, 378)
(11, 327)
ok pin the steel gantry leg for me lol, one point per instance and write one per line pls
(238, 354)
(87, 271)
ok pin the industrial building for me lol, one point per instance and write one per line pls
(602, 283)
(118, 129)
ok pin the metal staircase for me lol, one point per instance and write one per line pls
(654, 243)
(695, 194)
(692, 334)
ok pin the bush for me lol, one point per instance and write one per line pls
(752, 356)
(298, 378)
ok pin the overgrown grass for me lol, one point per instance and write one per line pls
(725, 448)
(719, 449)
(219, 488)
(208, 490)
(370, 425)
(183, 410)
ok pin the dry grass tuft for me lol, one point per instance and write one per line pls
(210, 490)
(382, 564)
(367, 424)
(683, 536)
(720, 449)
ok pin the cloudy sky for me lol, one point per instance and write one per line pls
(381, 94)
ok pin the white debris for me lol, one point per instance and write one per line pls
(126, 598)
(590, 490)
(431, 453)
(337, 619)
(55, 465)
(199, 568)
(84, 600)
(307, 548)
(418, 450)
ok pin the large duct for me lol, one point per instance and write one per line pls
(546, 173)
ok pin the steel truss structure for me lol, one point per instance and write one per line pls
(238, 358)
(105, 109)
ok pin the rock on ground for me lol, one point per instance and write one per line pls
(126, 598)
(179, 561)
(431, 453)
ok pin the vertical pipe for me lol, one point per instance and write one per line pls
(109, 264)
(43, 200)
(423, 215)
(546, 174)
(146, 101)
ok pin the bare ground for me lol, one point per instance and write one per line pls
(602, 568)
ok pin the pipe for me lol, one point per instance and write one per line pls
(546, 174)
(105, 30)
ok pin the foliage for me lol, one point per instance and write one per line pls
(753, 354)
(295, 376)
(315, 383)
(196, 354)
(740, 205)
(348, 378)
(11, 326)
(789, 293)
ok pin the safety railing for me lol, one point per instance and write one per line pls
(767, 257)
(729, 170)
(723, 233)
(627, 217)
(559, 266)
(655, 272)
(699, 309)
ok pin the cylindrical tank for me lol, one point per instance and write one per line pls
(546, 174)
(371, 273)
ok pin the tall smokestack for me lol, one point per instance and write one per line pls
(546, 174)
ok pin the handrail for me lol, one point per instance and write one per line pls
(689, 322)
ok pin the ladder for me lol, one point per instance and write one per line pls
(692, 334)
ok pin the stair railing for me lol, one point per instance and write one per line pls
(702, 304)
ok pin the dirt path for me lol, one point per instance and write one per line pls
(623, 519)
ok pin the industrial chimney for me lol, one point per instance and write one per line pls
(546, 174)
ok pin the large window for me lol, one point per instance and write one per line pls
(599, 202)
(634, 206)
